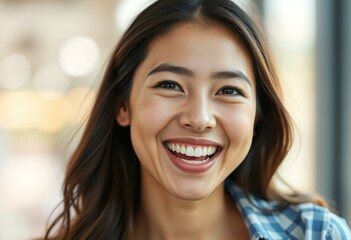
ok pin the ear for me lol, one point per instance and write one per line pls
(122, 116)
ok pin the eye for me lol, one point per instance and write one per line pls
(231, 91)
(169, 85)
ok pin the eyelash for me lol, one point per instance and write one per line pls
(162, 84)
(176, 87)
(237, 91)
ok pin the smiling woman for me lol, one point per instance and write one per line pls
(186, 133)
(199, 107)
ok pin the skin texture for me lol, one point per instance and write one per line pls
(198, 105)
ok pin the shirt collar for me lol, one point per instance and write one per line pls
(261, 224)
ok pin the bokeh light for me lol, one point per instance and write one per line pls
(15, 71)
(292, 32)
(78, 56)
(78, 103)
(127, 10)
(27, 176)
(16, 109)
(49, 114)
(50, 81)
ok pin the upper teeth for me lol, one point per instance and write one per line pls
(192, 151)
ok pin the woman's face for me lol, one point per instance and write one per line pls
(192, 109)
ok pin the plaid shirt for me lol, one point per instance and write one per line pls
(303, 221)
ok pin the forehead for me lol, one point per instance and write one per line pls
(200, 47)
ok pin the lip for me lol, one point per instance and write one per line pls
(192, 168)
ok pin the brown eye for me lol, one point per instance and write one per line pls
(169, 85)
(231, 91)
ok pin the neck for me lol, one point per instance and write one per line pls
(163, 216)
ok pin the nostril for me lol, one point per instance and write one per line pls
(199, 126)
(197, 121)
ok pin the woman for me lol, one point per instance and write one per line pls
(186, 133)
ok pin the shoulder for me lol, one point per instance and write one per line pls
(270, 220)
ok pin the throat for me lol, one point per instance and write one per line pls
(162, 216)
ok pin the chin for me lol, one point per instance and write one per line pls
(191, 193)
(190, 197)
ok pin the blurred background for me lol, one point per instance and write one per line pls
(52, 55)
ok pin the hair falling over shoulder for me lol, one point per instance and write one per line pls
(102, 180)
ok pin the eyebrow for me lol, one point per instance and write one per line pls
(165, 67)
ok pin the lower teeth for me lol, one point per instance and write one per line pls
(195, 162)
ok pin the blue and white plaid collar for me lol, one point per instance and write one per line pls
(261, 224)
(301, 221)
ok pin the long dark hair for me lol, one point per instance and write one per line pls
(102, 182)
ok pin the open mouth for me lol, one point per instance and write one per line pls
(193, 158)
(191, 154)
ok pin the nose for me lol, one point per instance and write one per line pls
(198, 114)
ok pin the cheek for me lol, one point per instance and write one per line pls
(150, 114)
(238, 124)
(148, 118)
